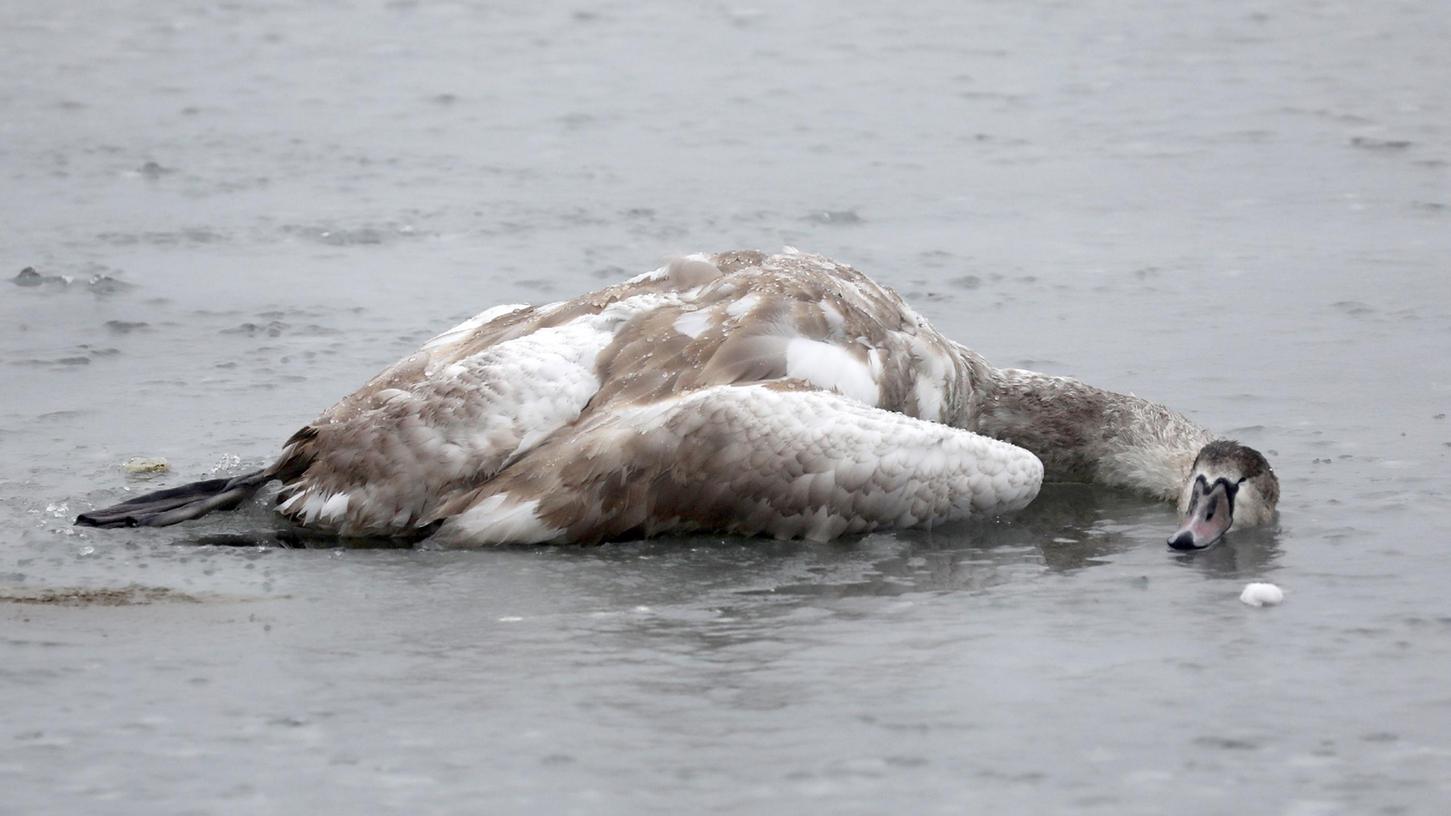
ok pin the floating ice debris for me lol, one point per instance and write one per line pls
(1368, 143)
(365, 235)
(125, 326)
(510, 619)
(145, 465)
(1262, 595)
(339, 236)
(273, 328)
(103, 284)
(835, 217)
(1354, 308)
(130, 595)
(30, 277)
(227, 463)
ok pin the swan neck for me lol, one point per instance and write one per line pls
(1091, 434)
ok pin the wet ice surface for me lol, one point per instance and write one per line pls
(235, 216)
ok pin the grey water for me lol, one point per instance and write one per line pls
(237, 213)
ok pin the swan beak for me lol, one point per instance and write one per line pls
(1211, 512)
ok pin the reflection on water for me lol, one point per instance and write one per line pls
(1068, 528)
(1247, 554)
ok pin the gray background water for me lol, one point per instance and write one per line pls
(1241, 209)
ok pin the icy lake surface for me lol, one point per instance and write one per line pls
(237, 214)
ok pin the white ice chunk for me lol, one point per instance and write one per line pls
(1262, 595)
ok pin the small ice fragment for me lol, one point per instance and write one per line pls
(510, 619)
(103, 284)
(1262, 595)
(228, 463)
(834, 217)
(145, 464)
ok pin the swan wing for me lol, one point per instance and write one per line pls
(779, 458)
(380, 461)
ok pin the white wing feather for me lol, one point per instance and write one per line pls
(747, 459)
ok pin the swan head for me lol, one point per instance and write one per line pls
(1229, 484)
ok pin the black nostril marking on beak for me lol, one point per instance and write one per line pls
(1183, 541)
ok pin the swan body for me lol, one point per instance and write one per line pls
(785, 395)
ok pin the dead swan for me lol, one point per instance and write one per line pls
(785, 395)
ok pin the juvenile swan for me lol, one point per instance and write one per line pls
(786, 395)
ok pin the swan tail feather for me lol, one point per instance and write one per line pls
(177, 504)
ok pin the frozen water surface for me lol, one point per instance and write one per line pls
(236, 214)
